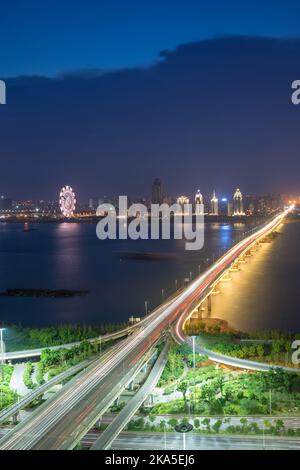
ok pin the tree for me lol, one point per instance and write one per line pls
(216, 426)
(197, 423)
(206, 422)
(183, 387)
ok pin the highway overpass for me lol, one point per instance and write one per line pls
(118, 424)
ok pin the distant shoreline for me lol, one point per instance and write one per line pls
(95, 219)
(52, 293)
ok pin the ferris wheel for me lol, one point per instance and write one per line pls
(67, 201)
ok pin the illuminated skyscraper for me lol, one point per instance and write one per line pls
(199, 206)
(181, 201)
(214, 204)
(238, 208)
(198, 197)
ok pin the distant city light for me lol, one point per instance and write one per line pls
(224, 199)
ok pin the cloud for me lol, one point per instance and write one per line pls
(215, 113)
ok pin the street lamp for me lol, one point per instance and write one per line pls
(194, 359)
(2, 351)
(183, 429)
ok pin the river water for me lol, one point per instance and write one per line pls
(265, 293)
(69, 256)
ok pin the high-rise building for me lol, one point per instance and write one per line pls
(157, 194)
(181, 201)
(199, 206)
(238, 208)
(214, 204)
(229, 209)
(198, 197)
(91, 204)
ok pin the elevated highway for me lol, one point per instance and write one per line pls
(118, 424)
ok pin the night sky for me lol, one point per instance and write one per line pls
(105, 96)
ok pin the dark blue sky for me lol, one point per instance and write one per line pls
(48, 37)
(208, 112)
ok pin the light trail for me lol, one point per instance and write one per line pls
(78, 400)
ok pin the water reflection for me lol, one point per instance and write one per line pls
(264, 294)
(70, 256)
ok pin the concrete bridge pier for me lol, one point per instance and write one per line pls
(149, 400)
(216, 290)
(197, 313)
(130, 386)
(16, 418)
(99, 422)
(200, 311)
(209, 304)
(116, 402)
(234, 267)
(226, 277)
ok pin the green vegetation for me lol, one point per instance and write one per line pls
(7, 396)
(27, 338)
(40, 371)
(179, 358)
(219, 426)
(174, 367)
(27, 375)
(278, 351)
(56, 361)
(241, 394)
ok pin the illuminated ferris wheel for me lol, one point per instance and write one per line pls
(67, 201)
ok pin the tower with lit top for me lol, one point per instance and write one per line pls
(199, 206)
(214, 204)
(238, 207)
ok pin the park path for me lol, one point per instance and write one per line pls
(16, 381)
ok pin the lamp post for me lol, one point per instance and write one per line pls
(2, 351)
(183, 429)
(194, 358)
